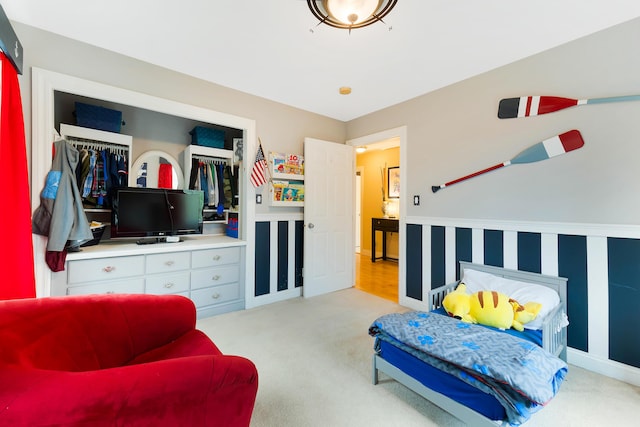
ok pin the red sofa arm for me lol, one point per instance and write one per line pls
(191, 391)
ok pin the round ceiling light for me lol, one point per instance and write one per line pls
(350, 14)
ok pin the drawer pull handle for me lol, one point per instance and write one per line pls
(168, 285)
(216, 277)
(168, 263)
(215, 296)
(108, 269)
(110, 292)
(216, 257)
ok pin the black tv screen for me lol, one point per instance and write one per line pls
(151, 212)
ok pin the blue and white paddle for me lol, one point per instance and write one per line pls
(552, 147)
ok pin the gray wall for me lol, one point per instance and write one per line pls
(280, 127)
(455, 131)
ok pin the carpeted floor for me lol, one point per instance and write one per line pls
(314, 365)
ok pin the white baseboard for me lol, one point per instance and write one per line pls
(275, 297)
(609, 368)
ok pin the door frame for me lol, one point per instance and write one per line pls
(400, 133)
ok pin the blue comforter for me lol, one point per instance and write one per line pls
(521, 375)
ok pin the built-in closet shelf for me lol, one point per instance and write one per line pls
(215, 155)
(81, 137)
(95, 135)
(288, 176)
(206, 212)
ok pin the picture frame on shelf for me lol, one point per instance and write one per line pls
(393, 182)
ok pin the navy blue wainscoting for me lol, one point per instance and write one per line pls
(568, 255)
(263, 258)
(279, 256)
(414, 261)
(624, 299)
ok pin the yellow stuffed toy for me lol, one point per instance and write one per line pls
(489, 308)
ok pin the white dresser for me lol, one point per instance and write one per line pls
(207, 269)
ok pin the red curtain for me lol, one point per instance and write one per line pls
(18, 279)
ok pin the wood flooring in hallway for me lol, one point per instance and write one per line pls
(379, 278)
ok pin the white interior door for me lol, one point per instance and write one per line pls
(329, 262)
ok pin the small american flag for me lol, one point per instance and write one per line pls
(258, 177)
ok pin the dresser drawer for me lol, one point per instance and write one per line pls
(165, 263)
(167, 283)
(128, 286)
(213, 257)
(216, 294)
(214, 276)
(91, 270)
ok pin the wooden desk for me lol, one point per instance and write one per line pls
(385, 225)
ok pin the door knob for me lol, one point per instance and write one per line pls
(310, 225)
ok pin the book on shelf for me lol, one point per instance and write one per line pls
(286, 191)
(292, 164)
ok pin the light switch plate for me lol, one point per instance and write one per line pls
(416, 200)
(258, 199)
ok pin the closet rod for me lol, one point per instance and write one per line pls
(97, 145)
(206, 159)
(9, 42)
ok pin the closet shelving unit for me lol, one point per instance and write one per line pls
(99, 139)
(215, 155)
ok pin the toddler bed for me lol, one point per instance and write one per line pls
(460, 386)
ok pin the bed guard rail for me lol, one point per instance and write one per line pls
(436, 296)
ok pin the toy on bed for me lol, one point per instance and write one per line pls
(491, 308)
(400, 350)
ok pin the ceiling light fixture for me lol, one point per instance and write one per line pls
(350, 14)
(361, 149)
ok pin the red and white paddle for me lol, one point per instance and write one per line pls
(527, 106)
(552, 147)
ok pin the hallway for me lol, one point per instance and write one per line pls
(379, 278)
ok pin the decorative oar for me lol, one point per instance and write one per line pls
(526, 106)
(552, 147)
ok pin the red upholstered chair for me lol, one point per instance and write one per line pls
(117, 360)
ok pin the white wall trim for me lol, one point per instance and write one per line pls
(271, 217)
(604, 366)
(276, 297)
(604, 230)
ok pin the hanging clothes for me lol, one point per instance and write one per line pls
(165, 175)
(231, 175)
(60, 215)
(220, 190)
(17, 262)
(193, 177)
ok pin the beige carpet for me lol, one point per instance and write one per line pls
(314, 365)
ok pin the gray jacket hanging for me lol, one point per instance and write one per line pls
(60, 215)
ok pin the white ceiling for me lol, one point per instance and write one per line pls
(266, 48)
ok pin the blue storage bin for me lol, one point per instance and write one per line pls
(95, 117)
(207, 137)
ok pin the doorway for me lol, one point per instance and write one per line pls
(375, 157)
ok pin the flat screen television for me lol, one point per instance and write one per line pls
(151, 212)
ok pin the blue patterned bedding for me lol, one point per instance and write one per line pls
(520, 375)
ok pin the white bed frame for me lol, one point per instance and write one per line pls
(554, 339)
